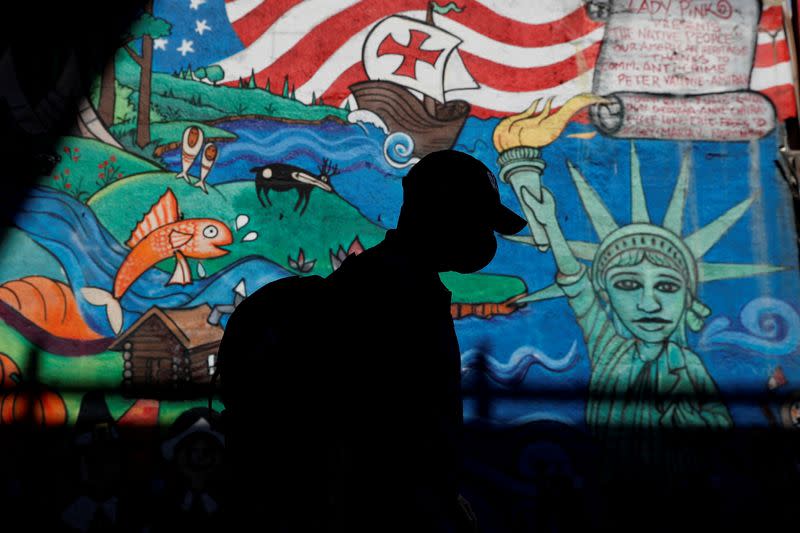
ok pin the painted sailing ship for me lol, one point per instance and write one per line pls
(408, 83)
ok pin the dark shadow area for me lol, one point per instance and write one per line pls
(49, 56)
(538, 476)
(550, 476)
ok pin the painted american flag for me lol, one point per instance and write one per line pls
(516, 50)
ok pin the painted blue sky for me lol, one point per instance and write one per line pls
(201, 34)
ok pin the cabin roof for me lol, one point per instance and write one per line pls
(190, 326)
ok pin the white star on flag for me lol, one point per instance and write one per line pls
(186, 47)
(201, 26)
(195, 4)
(160, 43)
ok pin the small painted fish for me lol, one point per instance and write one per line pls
(159, 235)
(190, 147)
(210, 154)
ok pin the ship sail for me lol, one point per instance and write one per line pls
(416, 55)
(456, 75)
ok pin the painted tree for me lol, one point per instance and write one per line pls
(266, 87)
(108, 95)
(285, 92)
(252, 83)
(145, 29)
(214, 73)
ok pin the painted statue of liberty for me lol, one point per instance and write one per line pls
(634, 304)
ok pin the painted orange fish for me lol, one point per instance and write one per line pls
(46, 313)
(162, 234)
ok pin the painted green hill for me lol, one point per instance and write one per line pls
(88, 165)
(21, 256)
(182, 99)
(167, 133)
(328, 223)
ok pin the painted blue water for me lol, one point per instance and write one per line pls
(90, 257)
(539, 349)
(357, 150)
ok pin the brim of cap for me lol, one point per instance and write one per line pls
(507, 222)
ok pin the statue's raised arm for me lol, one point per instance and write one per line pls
(572, 277)
(544, 209)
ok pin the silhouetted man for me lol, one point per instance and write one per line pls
(380, 409)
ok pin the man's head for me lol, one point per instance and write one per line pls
(451, 209)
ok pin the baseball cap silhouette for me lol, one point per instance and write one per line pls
(456, 184)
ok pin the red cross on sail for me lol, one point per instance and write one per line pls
(412, 52)
(416, 55)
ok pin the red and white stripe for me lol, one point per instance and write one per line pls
(772, 68)
(515, 53)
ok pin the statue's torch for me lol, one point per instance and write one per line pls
(519, 140)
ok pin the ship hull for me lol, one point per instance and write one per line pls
(402, 111)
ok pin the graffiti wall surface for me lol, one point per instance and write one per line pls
(233, 143)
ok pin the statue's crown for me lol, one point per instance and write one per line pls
(643, 236)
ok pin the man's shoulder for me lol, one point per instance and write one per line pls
(358, 268)
(276, 307)
(279, 297)
(285, 286)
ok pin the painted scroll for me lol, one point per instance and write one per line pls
(680, 70)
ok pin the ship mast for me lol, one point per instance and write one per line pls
(429, 103)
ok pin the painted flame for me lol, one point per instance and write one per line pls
(539, 129)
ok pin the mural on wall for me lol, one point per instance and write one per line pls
(233, 143)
